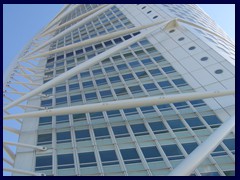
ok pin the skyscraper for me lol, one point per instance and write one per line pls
(122, 90)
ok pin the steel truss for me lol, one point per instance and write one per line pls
(36, 50)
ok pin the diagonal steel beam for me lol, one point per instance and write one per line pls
(81, 67)
(73, 20)
(188, 165)
(123, 104)
(80, 23)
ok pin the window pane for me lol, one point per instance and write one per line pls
(44, 139)
(87, 159)
(62, 119)
(63, 137)
(130, 156)
(45, 120)
(108, 157)
(65, 161)
(151, 154)
(82, 135)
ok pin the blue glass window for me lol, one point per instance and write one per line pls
(62, 119)
(135, 89)
(114, 79)
(164, 107)
(97, 71)
(197, 103)
(189, 147)
(122, 66)
(87, 159)
(113, 113)
(45, 120)
(130, 156)
(147, 109)
(63, 137)
(101, 133)
(168, 69)
(85, 74)
(151, 154)
(109, 69)
(127, 77)
(90, 96)
(74, 86)
(101, 82)
(120, 91)
(141, 74)
(159, 59)
(79, 117)
(146, 61)
(61, 100)
(212, 120)
(155, 72)
(158, 127)
(181, 105)
(176, 125)
(230, 143)
(173, 152)
(65, 161)
(60, 89)
(43, 163)
(76, 98)
(47, 92)
(165, 84)
(139, 129)
(194, 123)
(87, 84)
(82, 135)
(150, 87)
(134, 64)
(130, 111)
(46, 103)
(96, 115)
(180, 82)
(120, 131)
(44, 139)
(108, 157)
(105, 94)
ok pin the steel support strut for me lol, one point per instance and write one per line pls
(188, 165)
(123, 104)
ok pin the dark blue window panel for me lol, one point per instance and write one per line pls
(50, 60)
(74, 86)
(144, 42)
(44, 139)
(46, 103)
(98, 46)
(147, 109)
(120, 91)
(134, 64)
(175, 124)
(189, 147)
(43, 163)
(90, 96)
(114, 79)
(108, 157)
(136, 89)
(87, 159)
(97, 71)
(120, 131)
(136, 33)
(65, 161)
(60, 89)
(168, 69)
(105, 94)
(63, 137)
(151, 154)
(101, 82)
(70, 54)
(76, 98)
(88, 49)
(165, 84)
(130, 111)
(108, 43)
(101, 133)
(210, 174)
(139, 129)
(157, 127)
(113, 113)
(212, 120)
(96, 115)
(180, 82)
(78, 52)
(109, 69)
(82, 135)
(60, 57)
(62, 119)
(194, 122)
(122, 66)
(172, 151)
(141, 74)
(159, 58)
(128, 77)
(118, 40)
(47, 92)
(197, 103)
(181, 105)
(146, 61)
(79, 117)
(155, 72)
(87, 84)
(45, 120)
(230, 143)
(85, 74)
(219, 151)
(150, 87)
(130, 156)
(127, 37)
(61, 100)
(164, 107)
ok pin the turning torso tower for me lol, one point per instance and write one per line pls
(123, 90)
